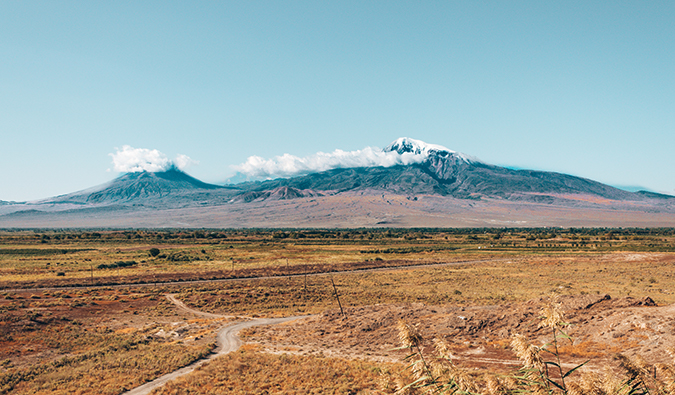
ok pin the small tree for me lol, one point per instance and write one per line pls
(154, 252)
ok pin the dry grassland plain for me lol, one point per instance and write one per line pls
(85, 311)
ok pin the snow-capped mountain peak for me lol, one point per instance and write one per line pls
(406, 145)
(417, 147)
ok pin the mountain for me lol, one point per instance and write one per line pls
(426, 185)
(448, 173)
(141, 186)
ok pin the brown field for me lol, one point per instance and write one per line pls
(85, 311)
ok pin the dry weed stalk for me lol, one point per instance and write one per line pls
(542, 371)
(432, 375)
(411, 339)
(527, 353)
(494, 386)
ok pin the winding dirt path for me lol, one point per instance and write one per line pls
(182, 306)
(227, 341)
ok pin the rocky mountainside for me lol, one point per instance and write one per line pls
(448, 173)
(279, 193)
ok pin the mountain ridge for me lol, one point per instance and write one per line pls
(433, 173)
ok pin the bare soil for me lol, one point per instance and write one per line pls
(480, 336)
(30, 321)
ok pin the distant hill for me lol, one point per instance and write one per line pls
(654, 195)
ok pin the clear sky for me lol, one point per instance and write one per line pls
(585, 88)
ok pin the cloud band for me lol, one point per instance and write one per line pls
(289, 165)
(134, 160)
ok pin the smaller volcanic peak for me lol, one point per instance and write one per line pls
(139, 185)
(172, 178)
(149, 184)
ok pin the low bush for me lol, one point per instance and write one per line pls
(117, 265)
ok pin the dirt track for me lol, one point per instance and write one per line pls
(227, 341)
(182, 306)
(248, 278)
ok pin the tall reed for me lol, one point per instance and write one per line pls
(542, 370)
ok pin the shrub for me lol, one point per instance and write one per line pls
(117, 264)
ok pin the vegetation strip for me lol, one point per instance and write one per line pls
(40, 251)
(145, 284)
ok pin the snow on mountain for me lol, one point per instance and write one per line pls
(406, 145)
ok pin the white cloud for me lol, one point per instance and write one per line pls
(288, 165)
(184, 161)
(133, 160)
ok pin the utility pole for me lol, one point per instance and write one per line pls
(337, 296)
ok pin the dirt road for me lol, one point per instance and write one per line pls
(237, 279)
(182, 306)
(227, 341)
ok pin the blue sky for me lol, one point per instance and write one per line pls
(584, 88)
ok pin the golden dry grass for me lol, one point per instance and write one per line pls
(40, 349)
(248, 371)
(481, 283)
